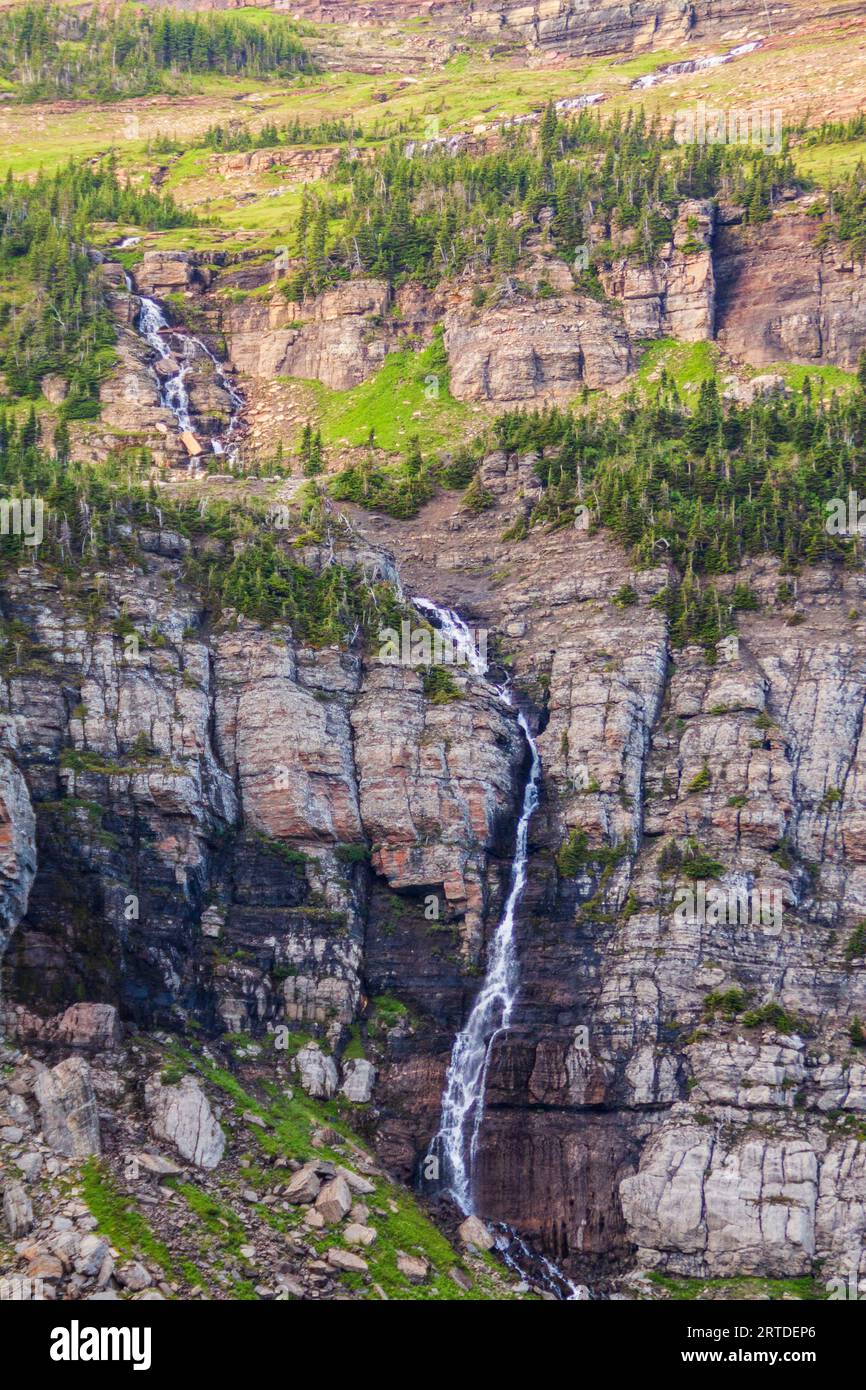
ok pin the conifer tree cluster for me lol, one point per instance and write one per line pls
(53, 311)
(310, 451)
(703, 487)
(236, 561)
(47, 50)
(237, 136)
(427, 214)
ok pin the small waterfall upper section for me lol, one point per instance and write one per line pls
(179, 350)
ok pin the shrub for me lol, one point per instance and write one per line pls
(440, 687)
(856, 947)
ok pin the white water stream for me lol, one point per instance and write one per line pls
(691, 65)
(154, 328)
(456, 1142)
(173, 393)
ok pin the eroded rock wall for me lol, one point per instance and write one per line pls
(207, 802)
(628, 1112)
(782, 299)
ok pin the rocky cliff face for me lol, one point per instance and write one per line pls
(568, 26)
(17, 849)
(627, 1108)
(781, 298)
(676, 296)
(238, 832)
(213, 829)
(780, 291)
(536, 351)
(338, 340)
(196, 792)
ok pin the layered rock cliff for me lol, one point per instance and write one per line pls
(238, 832)
(782, 291)
(709, 1114)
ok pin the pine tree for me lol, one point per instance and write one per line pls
(305, 447)
(314, 463)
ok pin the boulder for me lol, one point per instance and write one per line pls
(344, 1259)
(744, 392)
(89, 1025)
(334, 1201)
(134, 1276)
(317, 1071)
(192, 445)
(44, 1266)
(359, 1077)
(182, 1115)
(156, 1165)
(356, 1182)
(91, 1253)
(30, 1165)
(17, 1210)
(473, 1231)
(413, 1268)
(67, 1106)
(304, 1186)
(356, 1234)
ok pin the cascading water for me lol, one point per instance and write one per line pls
(224, 445)
(154, 328)
(466, 1082)
(456, 1142)
(690, 65)
(540, 1270)
(173, 393)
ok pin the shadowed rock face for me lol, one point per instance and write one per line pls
(205, 807)
(781, 299)
(17, 849)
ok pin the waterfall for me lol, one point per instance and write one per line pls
(466, 1082)
(538, 1268)
(152, 326)
(172, 391)
(456, 1142)
(224, 445)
